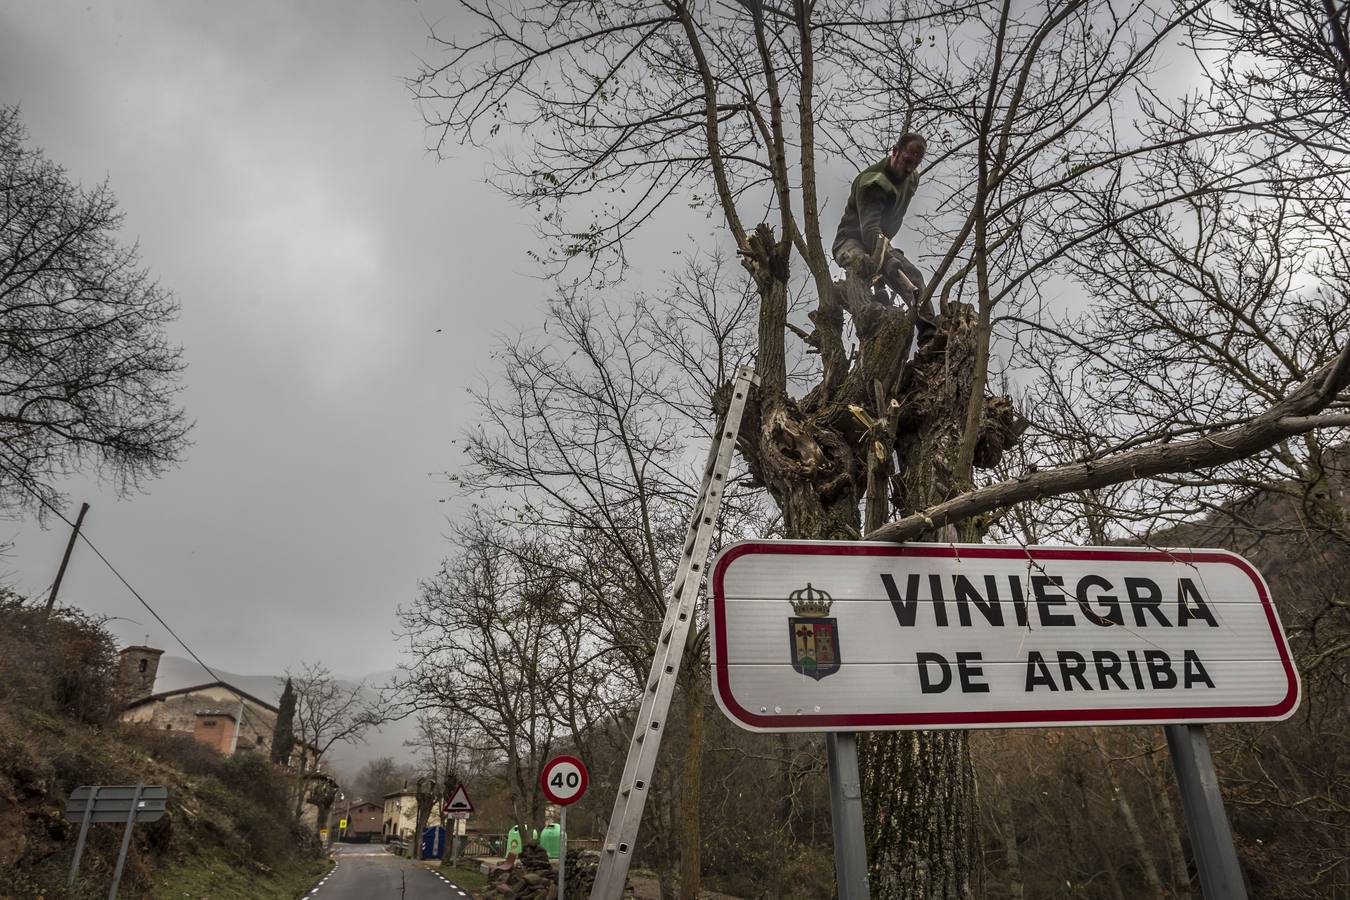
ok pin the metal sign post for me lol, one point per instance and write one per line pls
(846, 815)
(564, 779)
(1206, 822)
(118, 803)
(562, 852)
(126, 841)
(86, 816)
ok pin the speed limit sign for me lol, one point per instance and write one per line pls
(564, 780)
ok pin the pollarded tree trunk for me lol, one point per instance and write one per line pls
(819, 457)
(919, 787)
(426, 800)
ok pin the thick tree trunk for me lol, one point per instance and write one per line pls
(818, 457)
(919, 787)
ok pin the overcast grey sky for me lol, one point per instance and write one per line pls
(272, 166)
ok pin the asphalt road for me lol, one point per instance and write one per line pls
(369, 872)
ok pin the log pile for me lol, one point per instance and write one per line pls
(535, 877)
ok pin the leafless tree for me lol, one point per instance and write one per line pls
(591, 440)
(327, 712)
(380, 776)
(88, 380)
(1034, 159)
(491, 642)
(438, 742)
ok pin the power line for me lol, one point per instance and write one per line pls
(137, 594)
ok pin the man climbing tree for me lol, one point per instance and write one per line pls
(875, 210)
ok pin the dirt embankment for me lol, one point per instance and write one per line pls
(226, 831)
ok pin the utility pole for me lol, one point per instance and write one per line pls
(61, 572)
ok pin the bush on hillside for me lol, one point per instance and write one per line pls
(63, 662)
(251, 785)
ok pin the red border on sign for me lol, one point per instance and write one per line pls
(459, 789)
(988, 718)
(548, 767)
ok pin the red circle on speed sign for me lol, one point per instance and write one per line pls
(564, 780)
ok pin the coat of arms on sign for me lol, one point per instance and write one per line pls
(812, 634)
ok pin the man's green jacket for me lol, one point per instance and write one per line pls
(876, 206)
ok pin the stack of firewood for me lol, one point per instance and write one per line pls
(534, 877)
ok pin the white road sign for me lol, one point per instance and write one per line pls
(564, 780)
(835, 636)
(459, 802)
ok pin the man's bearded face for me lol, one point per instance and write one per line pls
(905, 161)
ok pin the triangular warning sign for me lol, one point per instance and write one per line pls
(459, 801)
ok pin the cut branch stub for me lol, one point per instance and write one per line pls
(1001, 427)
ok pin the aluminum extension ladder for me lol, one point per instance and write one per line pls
(617, 851)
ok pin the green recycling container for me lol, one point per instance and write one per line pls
(551, 839)
(514, 843)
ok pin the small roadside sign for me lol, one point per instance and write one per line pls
(129, 804)
(457, 815)
(342, 823)
(458, 802)
(564, 780)
(113, 803)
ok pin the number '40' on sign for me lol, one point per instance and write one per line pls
(563, 780)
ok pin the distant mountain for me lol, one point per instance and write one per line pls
(345, 759)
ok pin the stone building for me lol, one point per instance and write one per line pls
(140, 665)
(217, 713)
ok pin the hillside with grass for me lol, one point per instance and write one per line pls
(226, 832)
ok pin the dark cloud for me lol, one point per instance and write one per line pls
(340, 289)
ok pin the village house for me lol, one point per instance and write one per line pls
(365, 821)
(400, 815)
